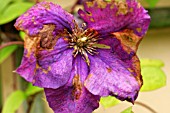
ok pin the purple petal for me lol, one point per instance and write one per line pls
(110, 76)
(107, 17)
(27, 67)
(73, 97)
(44, 13)
(48, 68)
(115, 71)
(80, 69)
(61, 100)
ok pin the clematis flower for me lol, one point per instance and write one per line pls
(76, 65)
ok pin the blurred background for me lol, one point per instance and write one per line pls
(17, 96)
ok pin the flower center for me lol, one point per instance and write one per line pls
(83, 42)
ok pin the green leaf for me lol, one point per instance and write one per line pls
(22, 35)
(7, 51)
(109, 101)
(152, 3)
(13, 11)
(31, 90)
(4, 4)
(153, 78)
(13, 102)
(128, 110)
(19, 0)
(149, 62)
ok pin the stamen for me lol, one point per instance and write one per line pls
(83, 42)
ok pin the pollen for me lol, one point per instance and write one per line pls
(83, 39)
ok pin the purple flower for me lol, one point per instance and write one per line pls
(78, 65)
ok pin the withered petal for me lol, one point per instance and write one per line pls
(109, 17)
(44, 13)
(115, 72)
(62, 101)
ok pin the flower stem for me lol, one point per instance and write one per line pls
(146, 106)
(11, 43)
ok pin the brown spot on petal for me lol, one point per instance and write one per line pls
(109, 70)
(33, 81)
(139, 29)
(89, 76)
(122, 8)
(89, 14)
(91, 19)
(46, 71)
(131, 10)
(48, 40)
(130, 70)
(101, 4)
(19, 26)
(139, 5)
(33, 19)
(77, 87)
(128, 39)
(30, 44)
(112, 6)
(89, 4)
(26, 14)
(137, 70)
(46, 5)
(44, 40)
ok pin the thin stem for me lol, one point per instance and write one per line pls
(146, 106)
(11, 43)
